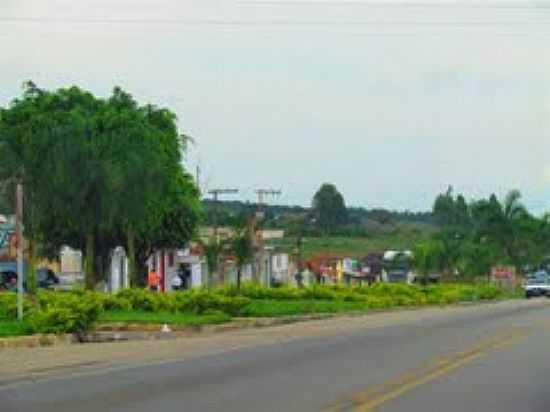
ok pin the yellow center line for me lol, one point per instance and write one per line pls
(374, 397)
(421, 380)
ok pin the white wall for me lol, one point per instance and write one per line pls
(119, 271)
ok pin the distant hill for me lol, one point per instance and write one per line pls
(361, 221)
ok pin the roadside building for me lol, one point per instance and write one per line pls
(187, 264)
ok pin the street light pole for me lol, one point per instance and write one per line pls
(19, 234)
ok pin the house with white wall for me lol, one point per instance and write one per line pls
(186, 263)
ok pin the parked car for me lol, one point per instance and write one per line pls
(537, 285)
(8, 280)
(45, 279)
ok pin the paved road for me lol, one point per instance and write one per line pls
(484, 358)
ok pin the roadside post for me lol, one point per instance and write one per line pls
(19, 232)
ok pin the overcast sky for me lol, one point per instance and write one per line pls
(389, 100)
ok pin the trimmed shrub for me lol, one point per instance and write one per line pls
(8, 306)
(200, 301)
(140, 299)
(115, 302)
(73, 312)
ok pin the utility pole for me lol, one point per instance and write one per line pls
(19, 232)
(261, 194)
(215, 193)
(260, 214)
(198, 177)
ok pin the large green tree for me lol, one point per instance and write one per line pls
(450, 210)
(98, 173)
(329, 208)
(428, 258)
(242, 246)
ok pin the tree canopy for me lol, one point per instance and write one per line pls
(485, 232)
(329, 208)
(98, 173)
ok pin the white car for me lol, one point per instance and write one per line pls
(536, 286)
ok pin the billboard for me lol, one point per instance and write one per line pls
(503, 272)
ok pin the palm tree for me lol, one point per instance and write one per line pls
(427, 257)
(242, 248)
(512, 207)
(213, 250)
(504, 224)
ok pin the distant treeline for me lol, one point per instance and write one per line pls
(358, 222)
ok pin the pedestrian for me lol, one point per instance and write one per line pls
(153, 281)
(177, 282)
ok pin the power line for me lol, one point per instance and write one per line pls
(281, 22)
(398, 4)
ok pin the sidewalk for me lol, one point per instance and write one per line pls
(29, 364)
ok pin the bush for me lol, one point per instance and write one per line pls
(66, 312)
(115, 302)
(140, 299)
(199, 301)
(489, 292)
(8, 306)
(77, 311)
(254, 291)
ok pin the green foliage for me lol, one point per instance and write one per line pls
(137, 299)
(488, 232)
(329, 208)
(10, 327)
(197, 301)
(273, 308)
(77, 311)
(200, 301)
(72, 312)
(173, 318)
(115, 168)
(8, 305)
(241, 245)
(403, 237)
(379, 295)
(449, 210)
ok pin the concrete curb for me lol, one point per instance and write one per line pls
(131, 331)
(121, 331)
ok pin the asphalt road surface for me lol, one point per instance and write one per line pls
(482, 358)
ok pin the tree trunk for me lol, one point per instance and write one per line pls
(90, 261)
(239, 278)
(132, 266)
(211, 277)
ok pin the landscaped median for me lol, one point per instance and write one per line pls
(79, 312)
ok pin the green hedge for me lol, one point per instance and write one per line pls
(73, 312)
(398, 294)
(77, 311)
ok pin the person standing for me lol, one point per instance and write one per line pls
(153, 280)
(177, 282)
